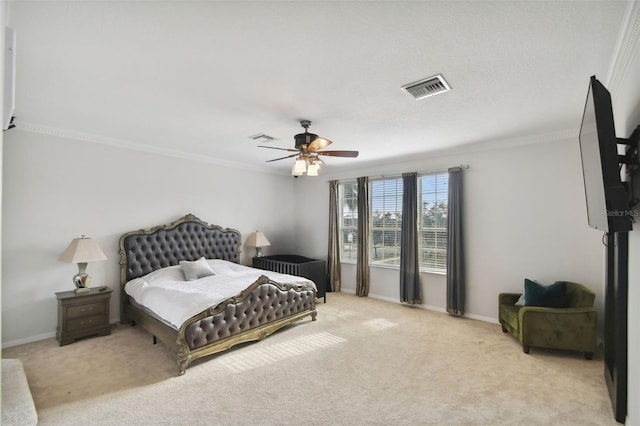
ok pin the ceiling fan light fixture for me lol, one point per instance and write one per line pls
(307, 152)
(295, 172)
(312, 170)
(300, 166)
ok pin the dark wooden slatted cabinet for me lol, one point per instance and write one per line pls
(293, 264)
(83, 314)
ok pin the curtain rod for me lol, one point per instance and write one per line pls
(430, 172)
(461, 166)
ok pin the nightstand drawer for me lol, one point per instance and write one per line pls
(85, 323)
(82, 311)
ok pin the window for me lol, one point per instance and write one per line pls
(348, 217)
(432, 221)
(385, 223)
(385, 197)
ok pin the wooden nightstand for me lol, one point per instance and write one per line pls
(83, 314)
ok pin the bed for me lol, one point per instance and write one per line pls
(264, 305)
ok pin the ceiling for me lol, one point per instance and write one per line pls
(197, 79)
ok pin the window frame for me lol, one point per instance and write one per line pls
(353, 257)
(439, 190)
(440, 195)
(396, 231)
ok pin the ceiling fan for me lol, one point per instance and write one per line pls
(307, 152)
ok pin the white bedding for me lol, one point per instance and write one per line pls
(175, 300)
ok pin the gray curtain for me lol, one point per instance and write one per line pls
(455, 246)
(333, 256)
(409, 257)
(362, 275)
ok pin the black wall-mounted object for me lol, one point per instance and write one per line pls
(11, 125)
(610, 205)
(606, 196)
(631, 158)
(615, 322)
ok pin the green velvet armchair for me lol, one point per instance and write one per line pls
(570, 328)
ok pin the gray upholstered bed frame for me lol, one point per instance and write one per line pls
(261, 309)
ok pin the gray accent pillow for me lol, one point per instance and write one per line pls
(197, 269)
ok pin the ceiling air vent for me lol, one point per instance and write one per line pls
(262, 138)
(427, 87)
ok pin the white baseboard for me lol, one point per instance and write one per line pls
(39, 337)
(26, 340)
(428, 307)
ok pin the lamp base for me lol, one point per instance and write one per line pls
(82, 289)
(81, 281)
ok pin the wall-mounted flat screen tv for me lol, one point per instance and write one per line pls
(607, 199)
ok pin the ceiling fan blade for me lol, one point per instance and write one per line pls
(282, 158)
(351, 154)
(318, 143)
(281, 149)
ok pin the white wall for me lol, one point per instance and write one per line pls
(4, 21)
(56, 189)
(524, 217)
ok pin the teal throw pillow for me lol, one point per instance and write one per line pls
(552, 296)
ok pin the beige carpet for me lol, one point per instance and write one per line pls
(363, 362)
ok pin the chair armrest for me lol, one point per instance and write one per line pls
(508, 298)
(559, 328)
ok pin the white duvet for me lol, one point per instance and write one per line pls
(175, 300)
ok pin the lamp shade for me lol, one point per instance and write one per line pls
(257, 239)
(295, 171)
(82, 250)
(300, 166)
(312, 170)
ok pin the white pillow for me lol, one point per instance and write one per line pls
(520, 301)
(221, 267)
(197, 269)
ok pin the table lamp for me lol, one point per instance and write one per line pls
(81, 251)
(257, 240)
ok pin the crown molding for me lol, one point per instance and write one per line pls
(626, 47)
(120, 143)
(478, 146)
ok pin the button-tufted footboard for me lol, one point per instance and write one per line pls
(264, 307)
(264, 304)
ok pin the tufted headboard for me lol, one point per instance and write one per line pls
(188, 238)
